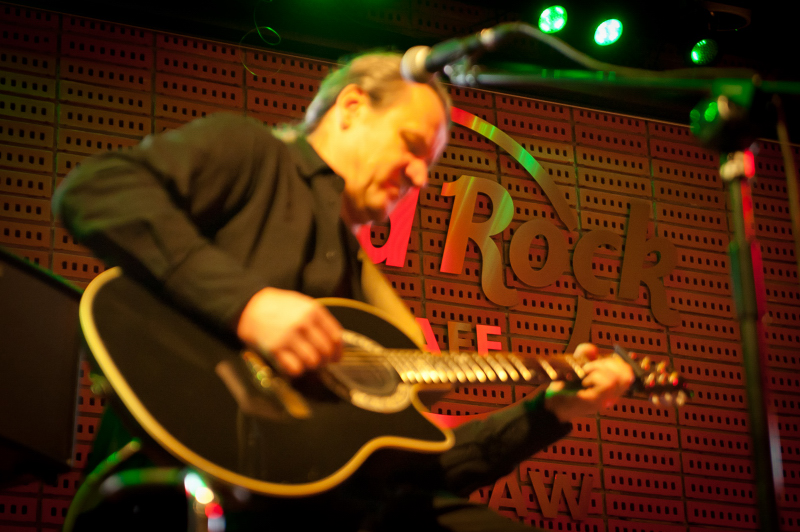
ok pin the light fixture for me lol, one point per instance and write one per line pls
(608, 32)
(553, 19)
(704, 52)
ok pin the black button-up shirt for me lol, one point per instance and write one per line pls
(213, 212)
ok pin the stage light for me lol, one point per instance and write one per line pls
(192, 482)
(704, 52)
(608, 32)
(203, 495)
(553, 19)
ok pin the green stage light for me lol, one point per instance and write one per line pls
(608, 32)
(553, 19)
(704, 52)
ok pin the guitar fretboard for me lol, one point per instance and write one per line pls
(415, 367)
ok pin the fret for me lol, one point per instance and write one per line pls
(437, 366)
(429, 375)
(402, 367)
(545, 365)
(465, 367)
(512, 371)
(491, 376)
(455, 368)
(502, 374)
(526, 374)
(577, 368)
(476, 368)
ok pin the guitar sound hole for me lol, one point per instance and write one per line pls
(374, 377)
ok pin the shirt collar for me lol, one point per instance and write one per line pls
(308, 162)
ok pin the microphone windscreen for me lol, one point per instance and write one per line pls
(412, 66)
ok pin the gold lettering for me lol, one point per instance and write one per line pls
(637, 247)
(557, 256)
(582, 260)
(577, 508)
(462, 228)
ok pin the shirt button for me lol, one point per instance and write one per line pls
(330, 255)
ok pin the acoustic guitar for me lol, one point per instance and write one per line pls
(224, 410)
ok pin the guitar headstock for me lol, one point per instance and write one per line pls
(659, 381)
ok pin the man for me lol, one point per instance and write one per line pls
(246, 227)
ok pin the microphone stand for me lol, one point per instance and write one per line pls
(747, 274)
(744, 250)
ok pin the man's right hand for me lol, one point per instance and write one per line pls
(295, 329)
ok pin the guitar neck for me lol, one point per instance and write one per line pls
(657, 381)
(416, 367)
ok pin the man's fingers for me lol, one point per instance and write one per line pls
(306, 351)
(321, 341)
(296, 329)
(587, 350)
(289, 362)
(332, 330)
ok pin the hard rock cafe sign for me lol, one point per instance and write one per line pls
(637, 249)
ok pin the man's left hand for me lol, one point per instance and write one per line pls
(605, 381)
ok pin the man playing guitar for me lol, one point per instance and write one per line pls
(246, 227)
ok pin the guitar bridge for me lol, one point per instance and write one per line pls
(258, 391)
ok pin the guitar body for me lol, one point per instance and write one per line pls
(165, 369)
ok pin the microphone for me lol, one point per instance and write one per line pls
(420, 63)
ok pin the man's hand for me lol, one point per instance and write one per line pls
(299, 332)
(606, 380)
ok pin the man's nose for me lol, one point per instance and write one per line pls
(417, 173)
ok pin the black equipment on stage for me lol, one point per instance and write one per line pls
(40, 346)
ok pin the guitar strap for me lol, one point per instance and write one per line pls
(379, 293)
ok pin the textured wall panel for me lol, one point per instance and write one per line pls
(89, 143)
(27, 183)
(107, 31)
(15, 59)
(198, 67)
(211, 50)
(34, 39)
(99, 49)
(181, 110)
(104, 120)
(26, 109)
(266, 102)
(719, 514)
(636, 457)
(24, 234)
(708, 395)
(27, 84)
(686, 174)
(37, 135)
(214, 93)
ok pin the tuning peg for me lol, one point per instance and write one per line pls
(633, 355)
(680, 398)
(674, 378)
(661, 367)
(645, 363)
(667, 398)
(650, 380)
(655, 400)
(662, 379)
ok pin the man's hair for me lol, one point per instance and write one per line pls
(377, 74)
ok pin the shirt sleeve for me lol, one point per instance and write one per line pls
(488, 449)
(155, 208)
(484, 451)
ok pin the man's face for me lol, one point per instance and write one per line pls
(390, 150)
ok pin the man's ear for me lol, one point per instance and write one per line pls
(349, 103)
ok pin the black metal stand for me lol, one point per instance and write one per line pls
(750, 297)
